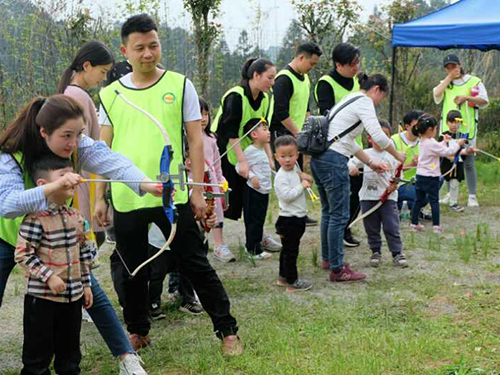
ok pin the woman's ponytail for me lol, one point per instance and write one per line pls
(254, 65)
(94, 52)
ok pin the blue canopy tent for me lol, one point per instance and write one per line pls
(470, 24)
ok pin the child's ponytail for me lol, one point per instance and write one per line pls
(424, 122)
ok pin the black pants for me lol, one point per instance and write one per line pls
(166, 263)
(356, 184)
(278, 133)
(255, 210)
(290, 230)
(132, 239)
(237, 185)
(51, 329)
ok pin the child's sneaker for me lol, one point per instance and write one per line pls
(299, 285)
(375, 259)
(346, 274)
(156, 312)
(261, 256)
(270, 244)
(281, 281)
(223, 254)
(437, 229)
(400, 261)
(416, 227)
(455, 207)
(473, 201)
(192, 308)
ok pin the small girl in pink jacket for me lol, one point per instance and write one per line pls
(429, 170)
(212, 162)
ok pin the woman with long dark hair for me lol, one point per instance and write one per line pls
(55, 125)
(331, 173)
(89, 68)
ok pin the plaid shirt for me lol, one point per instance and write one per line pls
(53, 242)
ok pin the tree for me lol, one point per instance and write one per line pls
(206, 31)
(326, 22)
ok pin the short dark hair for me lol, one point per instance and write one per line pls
(412, 116)
(251, 123)
(308, 49)
(367, 82)
(141, 23)
(453, 115)
(285, 140)
(424, 122)
(345, 53)
(385, 124)
(48, 163)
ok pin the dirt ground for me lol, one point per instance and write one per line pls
(262, 276)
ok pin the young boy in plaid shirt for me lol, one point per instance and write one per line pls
(56, 255)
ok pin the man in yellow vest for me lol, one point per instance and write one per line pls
(292, 89)
(172, 99)
(465, 93)
(331, 89)
(407, 142)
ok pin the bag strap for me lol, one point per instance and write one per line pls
(349, 129)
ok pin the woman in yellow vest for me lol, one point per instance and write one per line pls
(250, 99)
(55, 125)
(465, 93)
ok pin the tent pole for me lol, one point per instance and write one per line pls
(393, 81)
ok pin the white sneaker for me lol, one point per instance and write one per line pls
(270, 244)
(473, 201)
(261, 256)
(86, 317)
(445, 199)
(223, 254)
(131, 365)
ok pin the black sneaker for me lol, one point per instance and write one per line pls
(156, 312)
(311, 222)
(349, 240)
(457, 208)
(425, 216)
(192, 308)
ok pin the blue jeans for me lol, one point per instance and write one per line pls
(408, 193)
(331, 175)
(101, 312)
(7, 263)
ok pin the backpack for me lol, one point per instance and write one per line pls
(313, 139)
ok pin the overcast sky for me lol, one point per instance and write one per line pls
(240, 14)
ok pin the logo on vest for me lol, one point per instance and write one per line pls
(169, 98)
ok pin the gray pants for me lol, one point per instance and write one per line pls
(386, 217)
(470, 173)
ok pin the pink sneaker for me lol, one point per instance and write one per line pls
(346, 274)
(437, 229)
(416, 227)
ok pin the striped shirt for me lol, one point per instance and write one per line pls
(53, 242)
(93, 156)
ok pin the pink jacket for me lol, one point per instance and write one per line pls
(211, 155)
(429, 153)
